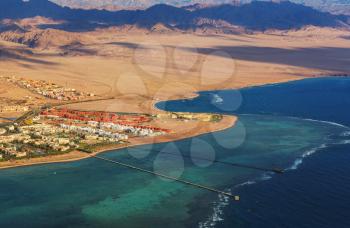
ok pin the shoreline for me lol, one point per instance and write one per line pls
(227, 122)
(202, 128)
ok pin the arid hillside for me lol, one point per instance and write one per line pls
(333, 6)
(165, 52)
(139, 68)
(256, 16)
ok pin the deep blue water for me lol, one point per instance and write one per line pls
(317, 194)
(279, 126)
(319, 98)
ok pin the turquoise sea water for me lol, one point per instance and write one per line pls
(315, 193)
(93, 193)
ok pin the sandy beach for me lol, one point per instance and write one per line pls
(139, 70)
(181, 131)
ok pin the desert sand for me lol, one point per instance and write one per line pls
(141, 69)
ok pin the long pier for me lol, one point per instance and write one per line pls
(236, 198)
(274, 170)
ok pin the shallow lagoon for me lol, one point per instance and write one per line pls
(93, 193)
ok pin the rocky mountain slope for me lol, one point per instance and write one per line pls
(256, 15)
(333, 6)
(127, 4)
(42, 23)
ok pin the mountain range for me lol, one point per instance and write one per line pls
(132, 4)
(253, 16)
(333, 6)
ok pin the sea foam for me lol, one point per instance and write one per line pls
(345, 134)
(223, 201)
(307, 153)
(322, 121)
(217, 99)
(218, 212)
